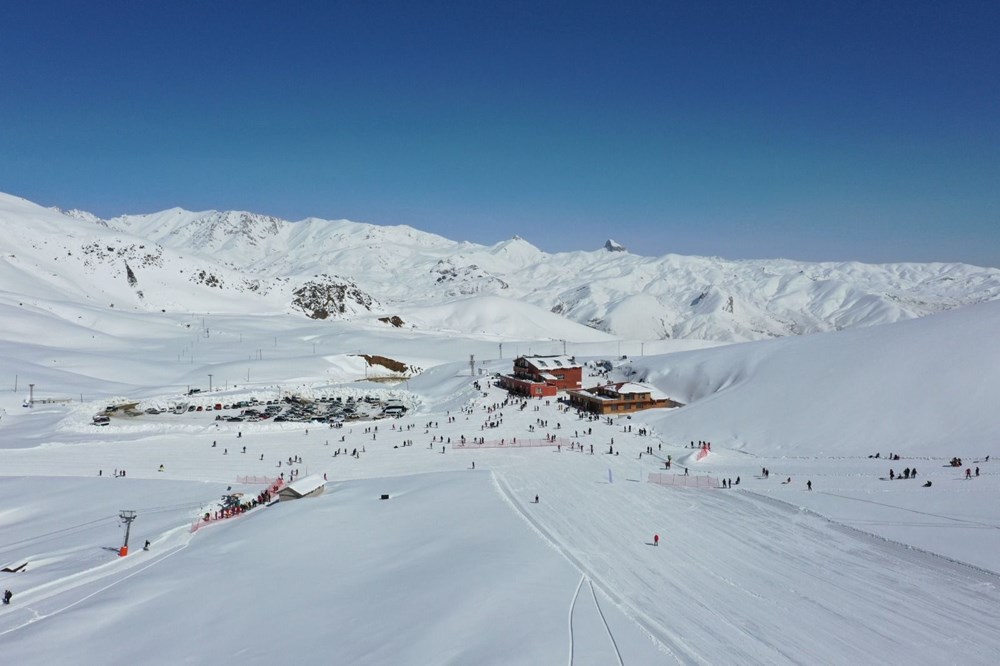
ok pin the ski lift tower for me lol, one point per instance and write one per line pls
(472, 365)
(127, 517)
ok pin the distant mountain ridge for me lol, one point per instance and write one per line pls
(240, 261)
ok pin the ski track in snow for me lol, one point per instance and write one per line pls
(832, 579)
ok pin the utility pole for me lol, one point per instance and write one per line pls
(31, 394)
(501, 350)
(127, 517)
(472, 365)
(210, 382)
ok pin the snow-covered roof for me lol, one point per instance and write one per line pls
(635, 387)
(551, 362)
(614, 391)
(306, 484)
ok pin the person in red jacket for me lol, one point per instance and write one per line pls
(656, 539)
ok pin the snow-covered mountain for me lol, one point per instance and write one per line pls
(219, 262)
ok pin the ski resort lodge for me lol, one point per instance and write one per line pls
(620, 398)
(543, 376)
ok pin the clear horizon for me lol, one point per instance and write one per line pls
(820, 133)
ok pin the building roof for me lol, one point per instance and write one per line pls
(552, 362)
(305, 485)
(635, 387)
(624, 388)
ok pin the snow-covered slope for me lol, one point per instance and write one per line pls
(921, 385)
(461, 564)
(238, 261)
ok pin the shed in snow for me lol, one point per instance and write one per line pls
(308, 486)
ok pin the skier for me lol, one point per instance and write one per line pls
(809, 485)
(146, 546)
(656, 539)
(536, 499)
(7, 596)
(968, 473)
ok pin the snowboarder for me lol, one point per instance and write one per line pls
(146, 546)
(656, 539)
(977, 471)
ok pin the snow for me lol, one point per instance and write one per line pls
(239, 261)
(460, 565)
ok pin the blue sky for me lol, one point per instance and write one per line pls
(834, 130)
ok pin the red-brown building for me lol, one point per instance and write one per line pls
(620, 398)
(543, 376)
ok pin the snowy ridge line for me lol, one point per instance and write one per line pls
(668, 642)
(844, 527)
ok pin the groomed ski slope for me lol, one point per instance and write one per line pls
(461, 566)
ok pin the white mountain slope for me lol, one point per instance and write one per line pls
(461, 565)
(919, 388)
(237, 261)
